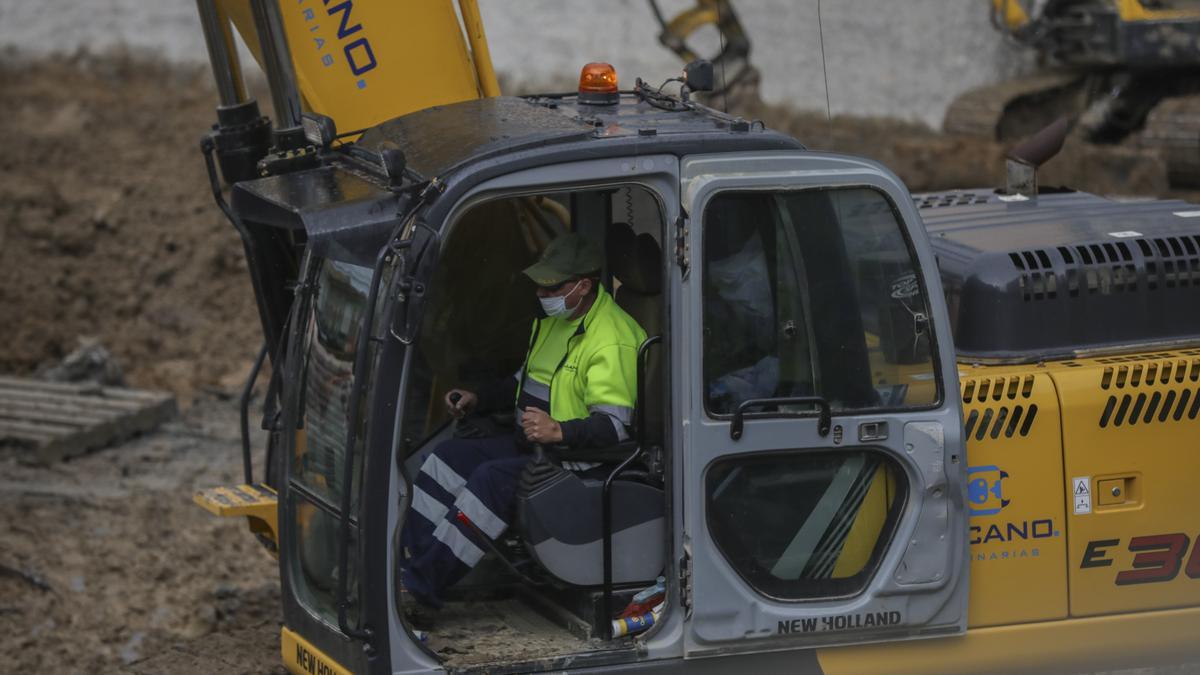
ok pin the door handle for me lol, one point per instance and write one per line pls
(824, 413)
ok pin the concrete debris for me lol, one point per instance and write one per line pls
(90, 362)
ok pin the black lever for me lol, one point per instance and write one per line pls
(461, 426)
(824, 414)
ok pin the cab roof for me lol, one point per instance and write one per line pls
(437, 140)
(346, 208)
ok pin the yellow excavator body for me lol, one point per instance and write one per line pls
(1136, 10)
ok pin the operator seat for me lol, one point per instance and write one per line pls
(636, 261)
(560, 512)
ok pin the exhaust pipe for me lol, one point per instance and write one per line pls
(1023, 160)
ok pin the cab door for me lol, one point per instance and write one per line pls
(823, 466)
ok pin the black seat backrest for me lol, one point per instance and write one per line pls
(635, 260)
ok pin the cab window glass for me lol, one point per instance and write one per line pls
(316, 542)
(812, 293)
(804, 525)
(337, 316)
(334, 321)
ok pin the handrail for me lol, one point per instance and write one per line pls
(639, 420)
(639, 410)
(606, 524)
(244, 411)
(824, 414)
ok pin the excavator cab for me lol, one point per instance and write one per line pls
(794, 475)
(794, 450)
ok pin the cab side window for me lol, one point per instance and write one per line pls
(317, 467)
(799, 526)
(812, 293)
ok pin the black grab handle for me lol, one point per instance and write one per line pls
(606, 525)
(824, 414)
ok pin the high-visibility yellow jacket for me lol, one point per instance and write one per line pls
(589, 365)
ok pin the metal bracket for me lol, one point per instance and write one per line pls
(685, 579)
(682, 249)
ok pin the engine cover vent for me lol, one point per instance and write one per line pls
(984, 419)
(947, 199)
(994, 421)
(1151, 356)
(1149, 373)
(1153, 391)
(1158, 406)
(1068, 275)
(987, 389)
(1171, 261)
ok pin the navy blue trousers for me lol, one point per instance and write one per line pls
(471, 478)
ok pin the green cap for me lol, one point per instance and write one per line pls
(568, 256)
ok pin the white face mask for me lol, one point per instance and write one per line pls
(557, 305)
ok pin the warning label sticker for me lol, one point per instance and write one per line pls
(1081, 494)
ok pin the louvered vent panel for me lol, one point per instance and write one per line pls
(950, 199)
(1171, 261)
(1108, 268)
(998, 406)
(1153, 389)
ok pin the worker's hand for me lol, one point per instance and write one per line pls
(539, 427)
(459, 402)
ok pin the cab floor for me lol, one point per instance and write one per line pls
(501, 632)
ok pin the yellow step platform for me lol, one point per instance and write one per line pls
(258, 503)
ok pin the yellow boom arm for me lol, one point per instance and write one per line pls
(367, 61)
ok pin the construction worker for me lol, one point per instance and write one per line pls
(576, 389)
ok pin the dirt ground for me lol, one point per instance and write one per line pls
(108, 231)
(118, 567)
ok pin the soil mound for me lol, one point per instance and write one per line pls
(927, 160)
(108, 229)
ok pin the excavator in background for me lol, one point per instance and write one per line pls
(737, 80)
(1121, 69)
(874, 431)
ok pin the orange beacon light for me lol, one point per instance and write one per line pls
(598, 84)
